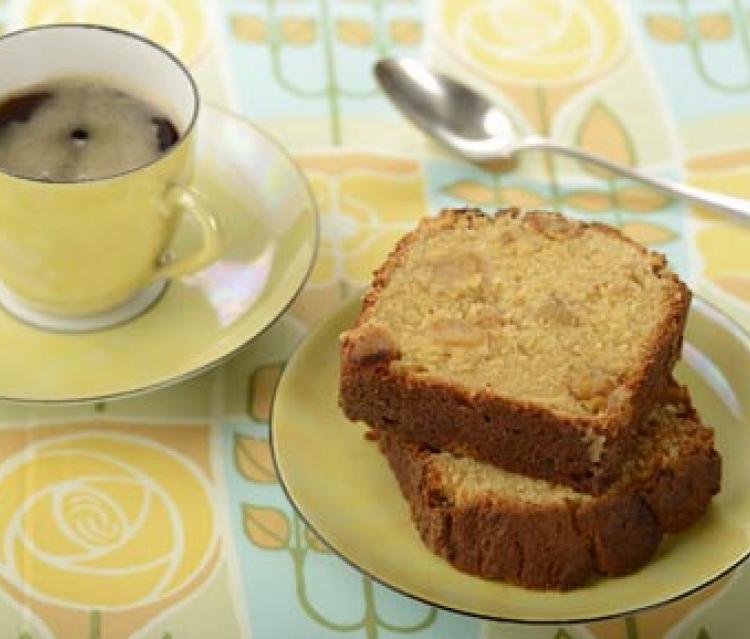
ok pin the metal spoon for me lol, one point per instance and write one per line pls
(469, 124)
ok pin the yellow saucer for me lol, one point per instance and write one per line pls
(271, 226)
(342, 486)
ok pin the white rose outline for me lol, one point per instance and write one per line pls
(532, 50)
(88, 502)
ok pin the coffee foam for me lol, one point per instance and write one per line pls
(85, 129)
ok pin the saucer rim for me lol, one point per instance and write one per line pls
(204, 368)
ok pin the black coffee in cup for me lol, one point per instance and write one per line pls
(74, 129)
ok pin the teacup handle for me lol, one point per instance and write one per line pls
(188, 200)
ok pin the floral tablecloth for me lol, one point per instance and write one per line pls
(160, 517)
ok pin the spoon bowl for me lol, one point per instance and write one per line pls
(446, 109)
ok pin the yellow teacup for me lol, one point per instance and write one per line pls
(78, 249)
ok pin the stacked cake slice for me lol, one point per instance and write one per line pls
(517, 369)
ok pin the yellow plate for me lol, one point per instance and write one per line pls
(342, 486)
(271, 225)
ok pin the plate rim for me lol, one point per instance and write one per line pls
(715, 313)
(187, 375)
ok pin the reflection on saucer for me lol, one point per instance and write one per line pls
(271, 234)
(232, 287)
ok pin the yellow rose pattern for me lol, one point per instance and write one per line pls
(106, 521)
(536, 42)
(118, 529)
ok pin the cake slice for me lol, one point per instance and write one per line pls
(496, 524)
(529, 341)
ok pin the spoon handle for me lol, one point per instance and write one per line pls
(737, 208)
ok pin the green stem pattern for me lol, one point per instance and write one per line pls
(331, 90)
(95, 625)
(299, 553)
(549, 161)
(382, 47)
(695, 46)
(631, 629)
(332, 82)
(371, 622)
(614, 201)
(741, 24)
(277, 69)
(382, 44)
